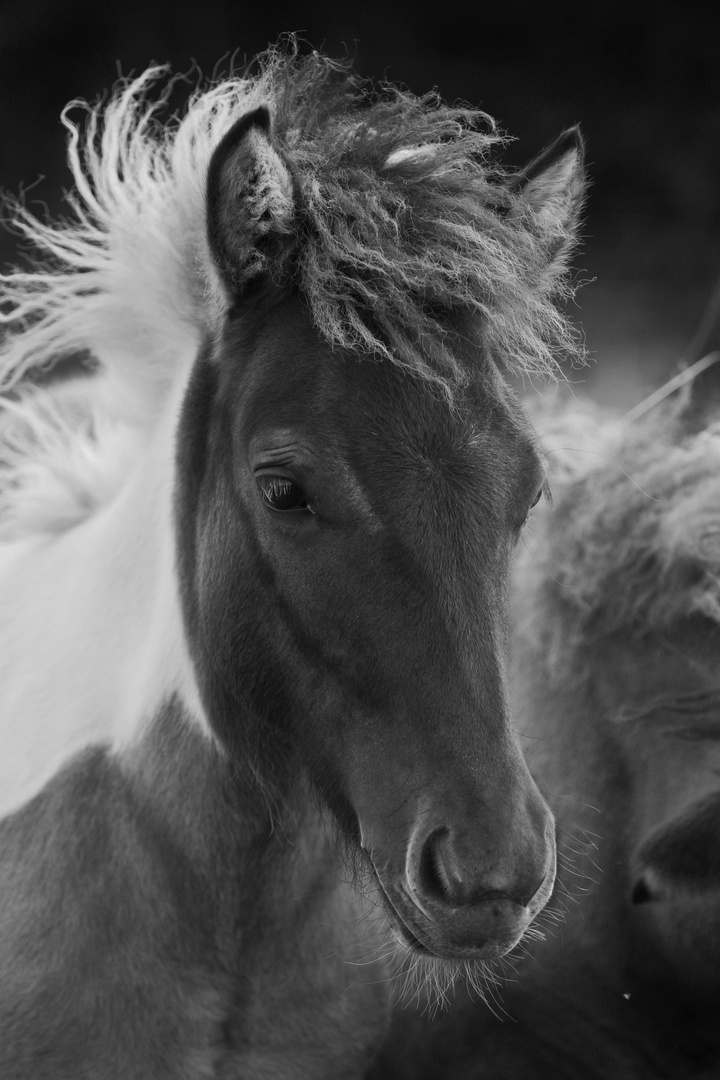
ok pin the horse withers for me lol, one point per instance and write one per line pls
(254, 723)
(616, 679)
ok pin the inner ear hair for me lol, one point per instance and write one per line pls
(250, 201)
(556, 176)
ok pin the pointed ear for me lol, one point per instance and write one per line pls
(553, 186)
(250, 204)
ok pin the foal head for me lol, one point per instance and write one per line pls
(353, 476)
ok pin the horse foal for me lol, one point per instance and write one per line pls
(253, 574)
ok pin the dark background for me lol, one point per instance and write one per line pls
(643, 80)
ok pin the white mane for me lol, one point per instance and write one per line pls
(129, 281)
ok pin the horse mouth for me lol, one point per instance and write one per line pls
(407, 939)
(400, 928)
(415, 931)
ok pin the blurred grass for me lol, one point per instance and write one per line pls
(636, 333)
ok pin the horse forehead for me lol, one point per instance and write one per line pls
(473, 447)
(488, 437)
(356, 405)
(457, 467)
(347, 419)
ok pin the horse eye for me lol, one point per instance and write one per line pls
(535, 501)
(282, 494)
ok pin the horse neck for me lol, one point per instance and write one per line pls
(144, 561)
(237, 832)
(92, 632)
(267, 881)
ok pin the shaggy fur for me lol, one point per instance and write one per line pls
(638, 522)
(403, 223)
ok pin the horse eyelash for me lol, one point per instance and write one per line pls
(277, 485)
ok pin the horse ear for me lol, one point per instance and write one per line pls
(250, 203)
(553, 186)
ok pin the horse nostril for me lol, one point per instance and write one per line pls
(641, 894)
(439, 875)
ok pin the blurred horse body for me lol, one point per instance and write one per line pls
(616, 683)
(253, 575)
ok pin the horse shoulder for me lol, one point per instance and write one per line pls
(109, 949)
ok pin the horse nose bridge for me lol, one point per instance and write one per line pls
(459, 604)
(460, 685)
(475, 628)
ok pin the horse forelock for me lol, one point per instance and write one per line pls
(408, 222)
(634, 528)
(404, 226)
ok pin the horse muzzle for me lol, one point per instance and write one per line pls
(465, 909)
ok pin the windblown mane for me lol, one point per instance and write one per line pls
(403, 220)
(631, 541)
